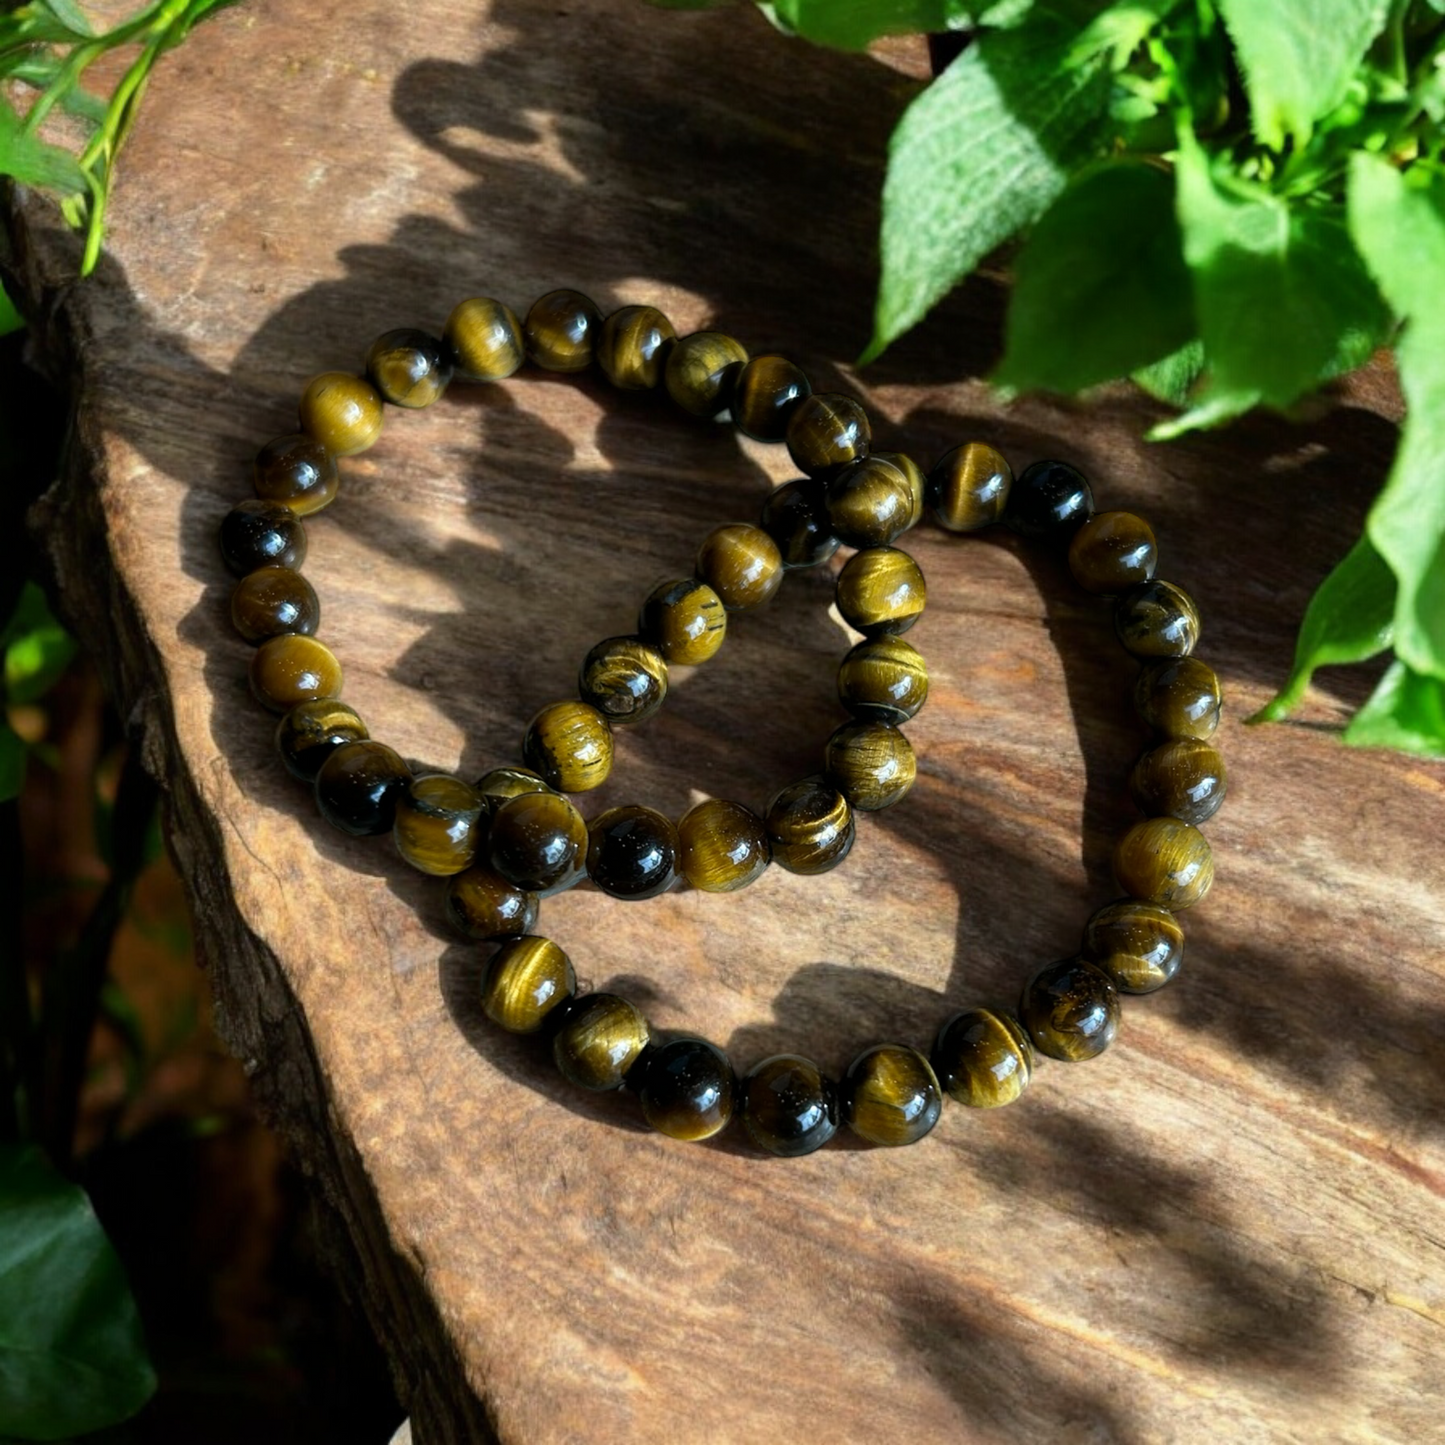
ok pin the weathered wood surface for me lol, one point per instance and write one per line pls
(1229, 1227)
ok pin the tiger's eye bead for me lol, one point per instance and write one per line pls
(482, 905)
(503, 783)
(788, 1107)
(983, 1058)
(624, 679)
(291, 669)
(598, 1040)
(795, 516)
(890, 1095)
(633, 347)
(526, 979)
(702, 372)
(768, 392)
(1138, 945)
(561, 331)
(884, 680)
(296, 471)
(1049, 499)
(881, 592)
(684, 620)
(826, 432)
(810, 827)
(408, 367)
(436, 825)
(917, 483)
(1113, 552)
(342, 412)
(742, 564)
(537, 841)
(1179, 697)
(358, 785)
(1164, 861)
(274, 600)
(1071, 1010)
(1157, 619)
(312, 731)
(632, 852)
(570, 746)
(871, 763)
(1183, 778)
(968, 487)
(722, 846)
(256, 534)
(687, 1089)
(485, 340)
(870, 502)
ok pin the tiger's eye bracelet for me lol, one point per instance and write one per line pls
(535, 840)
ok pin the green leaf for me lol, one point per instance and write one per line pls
(1172, 378)
(853, 24)
(12, 762)
(1101, 287)
(72, 1356)
(35, 162)
(1298, 57)
(37, 648)
(1349, 618)
(1406, 711)
(69, 14)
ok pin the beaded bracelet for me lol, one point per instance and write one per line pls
(535, 838)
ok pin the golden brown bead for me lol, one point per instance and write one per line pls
(312, 731)
(437, 824)
(289, 669)
(1164, 861)
(870, 502)
(482, 905)
(500, 784)
(891, 1096)
(1112, 552)
(810, 827)
(538, 841)
(1183, 778)
(485, 340)
(871, 763)
(408, 367)
(1179, 697)
(722, 846)
(570, 746)
(968, 487)
(883, 679)
(742, 564)
(826, 432)
(358, 785)
(687, 1089)
(526, 979)
(296, 471)
(561, 331)
(881, 591)
(768, 392)
(257, 533)
(1157, 619)
(274, 600)
(624, 679)
(1138, 945)
(633, 347)
(342, 412)
(1071, 1010)
(684, 620)
(598, 1040)
(795, 516)
(788, 1106)
(632, 852)
(983, 1058)
(917, 483)
(702, 372)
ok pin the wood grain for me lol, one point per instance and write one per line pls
(1228, 1227)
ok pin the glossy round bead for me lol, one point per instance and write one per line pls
(795, 516)
(684, 620)
(1157, 619)
(722, 846)
(1138, 945)
(358, 785)
(983, 1058)
(437, 824)
(598, 1040)
(871, 764)
(968, 487)
(1183, 778)
(913, 476)
(881, 592)
(883, 679)
(526, 979)
(826, 432)
(1164, 861)
(702, 372)
(561, 331)
(1071, 1010)
(1048, 499)
(633, 347)
(687, 1089)
(312, 731)
(1112, 552)
(632, 852)
(290, 669)
(408, 367)
(482, 904)
(742, 564)
(1179, 697)
(869, 502)
(788, 1107)
(484, 339)
(537, 841)
(342, 412)
(810, 827)
(296, 471)
(890, 1095)
(624, 679)
(257, 533)
(768, 392)
(570, 746)
(500, 784)
(274, 600)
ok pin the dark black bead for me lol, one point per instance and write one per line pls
(358, 786)
(687, 1088)
(312, 731)
(1050, 499)
(795, 516)
(789, 1108)
(632, 852)
(258, 533)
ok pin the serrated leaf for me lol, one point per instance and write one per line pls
(1172, 379)
(854, 24)
(12, 762)
(1100, 287)
(35, 162)
(1406, 711)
